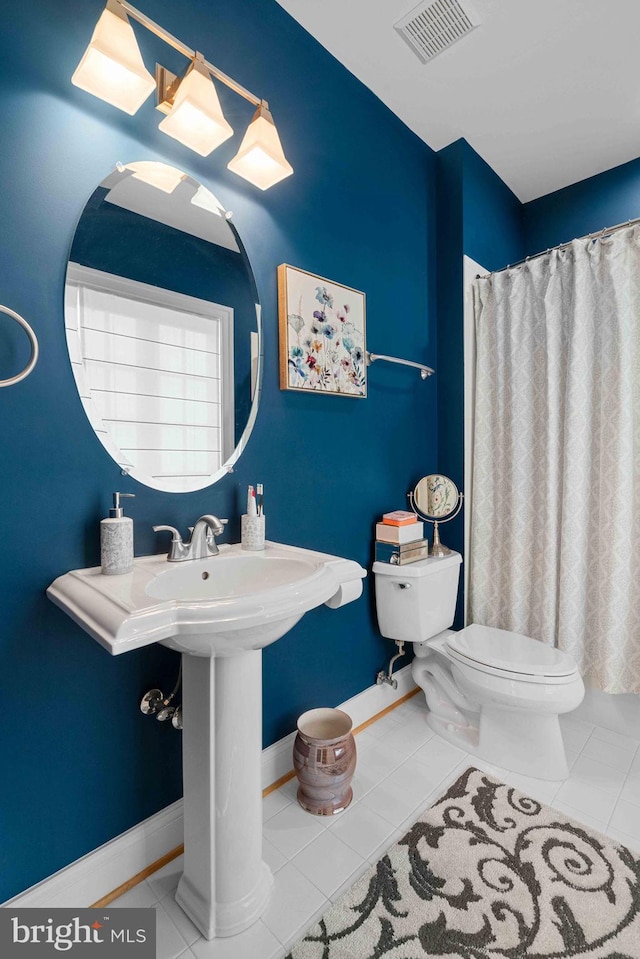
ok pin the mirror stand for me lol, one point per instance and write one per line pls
(435, 506)
(436, 548)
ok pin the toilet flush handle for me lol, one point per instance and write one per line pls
(403, 585)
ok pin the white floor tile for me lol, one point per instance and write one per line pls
(382, 726)
(180, 919)
(385, 846)
(275, 802)
(399, 794)
(328, 862)
(166, 880)
(374, 763)
(273, 857)
(622, 837)
(141, 896)
(589, 800)
(631, 789)
(593, 772)
(294, 904)
(542, 790)
(353, 878)
(440, 757)
(405, 737)
(575, 732)
(626, 818)
(169, 943)
(256, 942)
(292, 829)
(616, 739)
(582, 818)
(619, 757)
(362, 829)
(498, 772)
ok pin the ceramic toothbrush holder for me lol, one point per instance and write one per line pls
(252, 532)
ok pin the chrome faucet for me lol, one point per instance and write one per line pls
(202, 543)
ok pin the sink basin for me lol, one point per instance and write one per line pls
(219, 612)
(227, 577)
(219, 606)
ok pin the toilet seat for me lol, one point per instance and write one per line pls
(510, 655)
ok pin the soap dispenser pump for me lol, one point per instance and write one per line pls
(116, 539)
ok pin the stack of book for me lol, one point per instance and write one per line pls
(400, 538)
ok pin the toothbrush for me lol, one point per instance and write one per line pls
(252, 509)
(259, 495)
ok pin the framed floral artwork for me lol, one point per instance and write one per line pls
(322, 335)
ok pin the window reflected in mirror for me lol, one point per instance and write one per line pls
(162, 327)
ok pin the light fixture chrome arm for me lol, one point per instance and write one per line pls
(425, 371)
(181, 47)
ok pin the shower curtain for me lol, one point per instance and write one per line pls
(555, 525)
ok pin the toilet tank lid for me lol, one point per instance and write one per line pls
(514, 652)
(422, 567)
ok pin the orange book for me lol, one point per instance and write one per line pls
(399, 517)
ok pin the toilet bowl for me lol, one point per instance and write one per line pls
(494, 693)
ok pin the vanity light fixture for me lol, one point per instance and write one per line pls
(261, 159)
(195, 118)
(112, 69)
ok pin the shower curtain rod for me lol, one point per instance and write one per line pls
(562, 246)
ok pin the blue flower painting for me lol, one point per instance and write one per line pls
(322, 335)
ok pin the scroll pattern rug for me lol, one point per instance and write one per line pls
(488, 873)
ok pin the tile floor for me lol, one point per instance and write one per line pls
(402, 768)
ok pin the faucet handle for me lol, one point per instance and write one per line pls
(175, 535)
(178, 548)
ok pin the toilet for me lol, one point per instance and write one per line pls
(493, 693)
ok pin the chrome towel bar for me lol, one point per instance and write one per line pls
(34, 347)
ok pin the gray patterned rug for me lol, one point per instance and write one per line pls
(488, 873)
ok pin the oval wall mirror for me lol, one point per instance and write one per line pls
(163, 327)
(437, 499)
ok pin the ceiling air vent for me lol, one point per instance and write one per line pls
(433, 27)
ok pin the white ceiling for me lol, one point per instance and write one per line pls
(546, 91)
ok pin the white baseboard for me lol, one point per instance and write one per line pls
(100, 872)
(86, 880)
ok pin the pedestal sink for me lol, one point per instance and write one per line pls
(219, 613)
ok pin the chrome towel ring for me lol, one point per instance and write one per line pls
(34, 348)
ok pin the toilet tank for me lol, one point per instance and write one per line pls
(417, 601)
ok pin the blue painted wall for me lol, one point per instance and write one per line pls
(588, 206)
(80, 763)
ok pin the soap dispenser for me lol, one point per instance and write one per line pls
(116, 539)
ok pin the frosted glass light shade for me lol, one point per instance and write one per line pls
(112, 67)
(196, 118)
(261, 159)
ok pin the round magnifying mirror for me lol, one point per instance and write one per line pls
(436, 496)
(163, 327)
(437, 499)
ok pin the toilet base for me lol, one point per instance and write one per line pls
(525, 744)
(522, 736)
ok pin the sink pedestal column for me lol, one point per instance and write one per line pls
(225, 885)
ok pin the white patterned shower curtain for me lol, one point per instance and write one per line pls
(555, 525)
